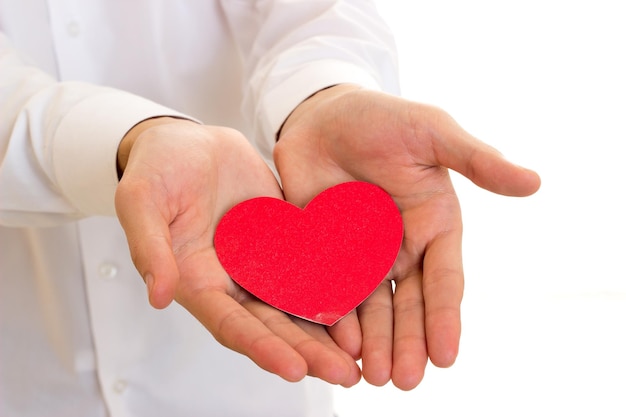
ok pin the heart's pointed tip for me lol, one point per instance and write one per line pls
(327, 319)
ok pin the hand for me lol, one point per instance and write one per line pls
(179, 178)
(346, 133)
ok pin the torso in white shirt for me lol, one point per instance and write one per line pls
(78, 337)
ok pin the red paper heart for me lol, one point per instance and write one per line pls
(317, 263)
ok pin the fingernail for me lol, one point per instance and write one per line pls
(149, 279)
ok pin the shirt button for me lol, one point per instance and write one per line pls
(107, 270)
(120, 386)
(73, 28)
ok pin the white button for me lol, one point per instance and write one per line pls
(107, 270)
(120, 386)
(73, 28)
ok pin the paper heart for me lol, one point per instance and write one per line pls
(317, 263)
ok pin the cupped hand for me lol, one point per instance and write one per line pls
(179, 178)
(347, 133)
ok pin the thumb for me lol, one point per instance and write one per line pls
(149, 242)
(481, 163)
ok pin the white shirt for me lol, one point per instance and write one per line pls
(77, 335)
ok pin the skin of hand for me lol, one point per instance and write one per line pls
(346, 133)
(179, 178)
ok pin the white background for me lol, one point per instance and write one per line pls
(544, 313)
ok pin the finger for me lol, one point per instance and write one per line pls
(238, 329)
(320, 333)
(149, 241)
(347, 335)
(376, 318)
(443, 292)
(481, 163)
(410, 354)
(324, 359)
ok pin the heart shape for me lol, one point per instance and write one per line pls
(317, 263)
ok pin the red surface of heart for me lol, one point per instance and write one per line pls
(317, 263)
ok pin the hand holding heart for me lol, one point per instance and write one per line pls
(179, 179)
(345, 133)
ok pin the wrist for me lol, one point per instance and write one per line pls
(314, 99)
(127, 142)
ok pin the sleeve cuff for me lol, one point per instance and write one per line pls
(287, 95)
(86, 142)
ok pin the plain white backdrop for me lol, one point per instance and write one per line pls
(544, 313)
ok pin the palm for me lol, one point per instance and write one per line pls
(169, 202)
(343, 134)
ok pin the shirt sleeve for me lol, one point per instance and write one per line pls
(58, 143)
(291, 49)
